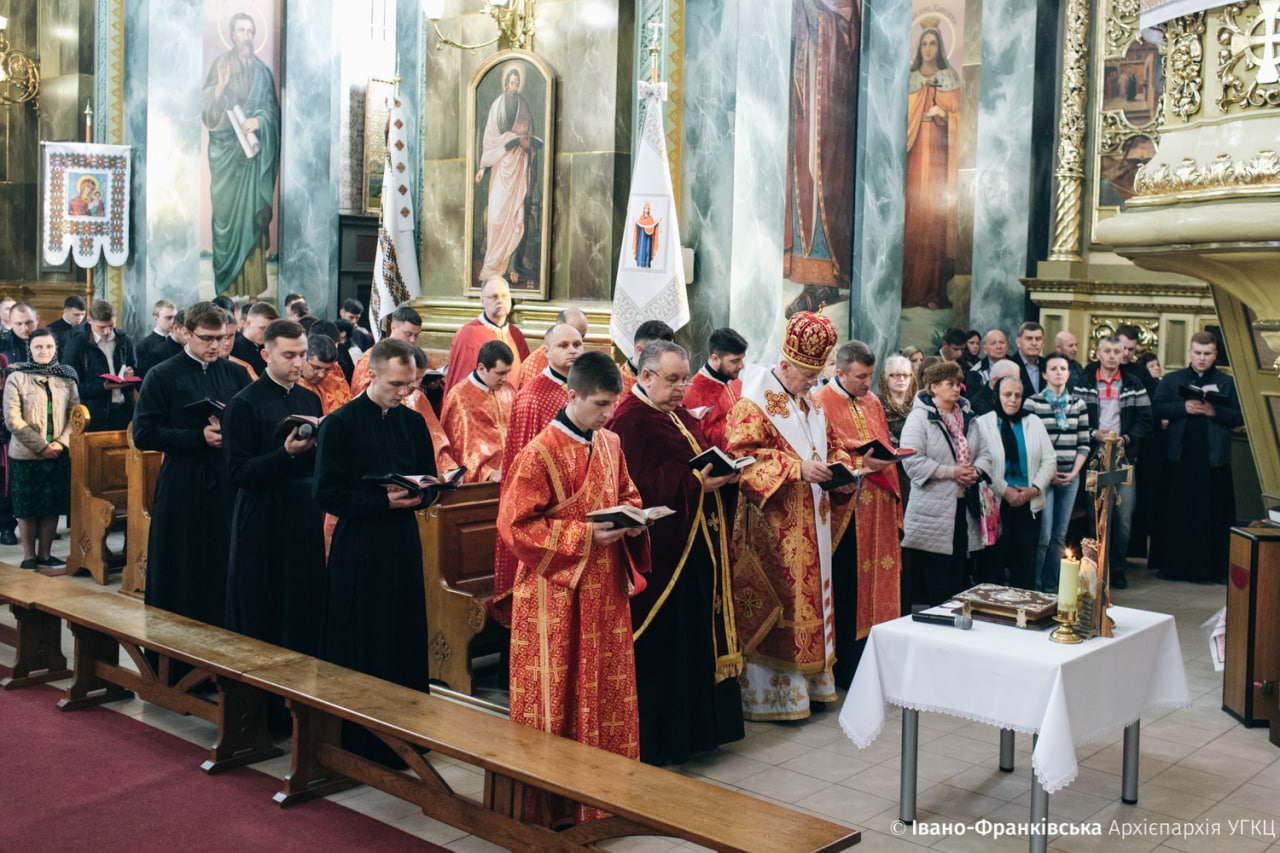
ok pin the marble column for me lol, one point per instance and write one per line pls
(1002, 196)
(879, 202)
(309, 165)
(733, 192)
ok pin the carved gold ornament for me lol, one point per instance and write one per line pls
(1183, 65)
(1072, 124)
(1221, 176)
(1249, 58)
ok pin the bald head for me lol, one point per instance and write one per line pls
(495, 296)
(1001, 369)
(1066, 343)
(564, 345)
(995, 345)
(575, 317)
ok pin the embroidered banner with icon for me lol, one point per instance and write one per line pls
(86, 203)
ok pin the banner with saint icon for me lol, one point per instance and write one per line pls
(650, 284)
(86, 203)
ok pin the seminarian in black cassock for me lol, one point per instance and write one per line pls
(377, 620)
(687, 656)
(276, 576)
(191, 512)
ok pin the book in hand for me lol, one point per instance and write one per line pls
(877, 449)
(121, 380)
(841, 475)
(630, 516)
(205, 408)
(699, 412)
(722, 464)
(286, 426)
(418, 483)
(1207, 394)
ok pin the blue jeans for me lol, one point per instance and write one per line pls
(1055, 519)
(1122, 522)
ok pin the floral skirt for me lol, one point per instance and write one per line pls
(40, 487)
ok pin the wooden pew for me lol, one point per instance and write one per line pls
(458, 534)
(37, 636)
(642, 800)
(212, 689)
(99, 495)
(142, 467)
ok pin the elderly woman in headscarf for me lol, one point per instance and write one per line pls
(1023, 463)
(39, 396)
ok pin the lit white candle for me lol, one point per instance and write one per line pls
(1068, 583)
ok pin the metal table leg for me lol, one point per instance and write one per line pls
(1039, 841)
(1129, 779)
(1006, 750)
(907, 773)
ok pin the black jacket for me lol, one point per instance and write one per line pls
(90, 363)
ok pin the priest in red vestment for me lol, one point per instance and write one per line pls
(493, 324)
(477, 411)
(649, 330)
(321, 374)
(867, 566)
(534, 407)
(572, 666)
(716, 385)
(406, 325)
(791, 525)
(537, 360)
(686, 645)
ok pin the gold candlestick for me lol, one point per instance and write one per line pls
(1066, 630)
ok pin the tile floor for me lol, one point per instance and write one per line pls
(1201, 771)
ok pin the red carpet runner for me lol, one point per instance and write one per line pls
(99, 780)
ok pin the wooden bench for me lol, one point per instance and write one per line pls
(458, 533)
(37, 636)
(642, 800)
(213, 688)
(99, 495)
(142, 467)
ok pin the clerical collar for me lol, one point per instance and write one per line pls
(279, 384)
(477, 381)
(484, 319)
(563, 422)
(634, 370)
(716, 375)
(204, 365)
(550, 373)
(839, 386)
(774, 373)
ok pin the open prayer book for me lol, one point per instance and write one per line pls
(121, 380)
(722, 464)
(418, 483)
(841, 475)
(206, 407)
(1207, 394)
(630, 516)
(877, 449)
(286, 426)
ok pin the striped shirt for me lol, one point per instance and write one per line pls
(1070, 442)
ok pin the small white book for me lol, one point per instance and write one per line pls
(248, 141)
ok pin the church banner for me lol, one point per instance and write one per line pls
(650, 284)
(86, 203)
(395, 268)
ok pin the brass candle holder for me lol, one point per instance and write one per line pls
(1066, 630)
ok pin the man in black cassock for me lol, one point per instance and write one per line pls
(248, 343)
(276, 576)
(191, 512)
(687, 664)
(157, 346)
(377, 619)
(1199, 501)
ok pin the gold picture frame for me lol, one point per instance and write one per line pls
(510, 166)
(376, 95)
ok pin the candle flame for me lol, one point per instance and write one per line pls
(1069, 554)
